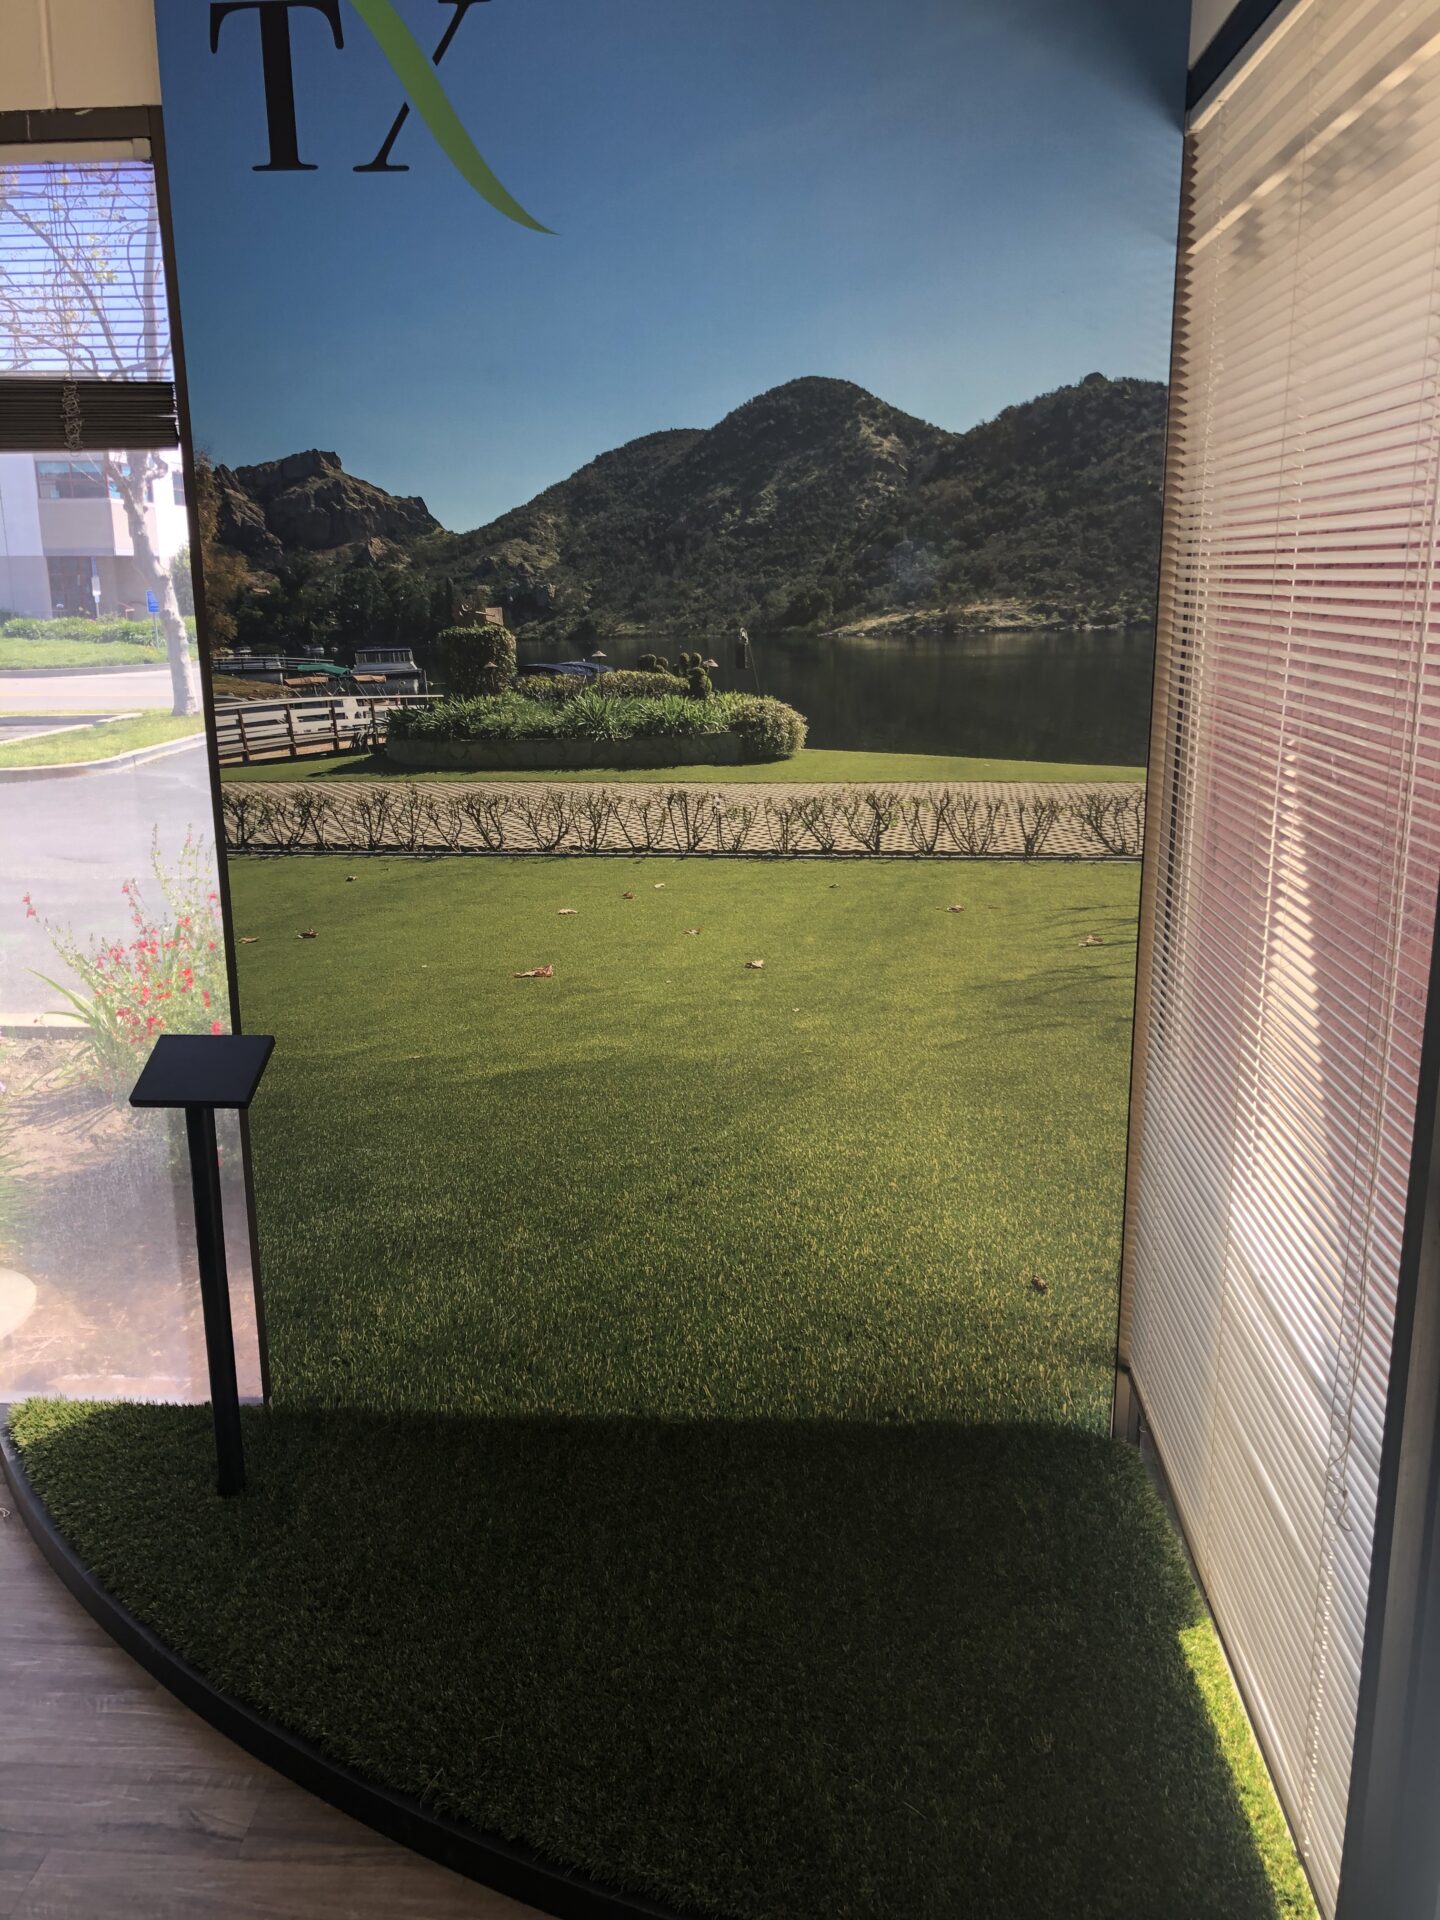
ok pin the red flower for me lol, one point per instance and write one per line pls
(215, 1027)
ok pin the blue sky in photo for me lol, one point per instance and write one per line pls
(958, 205)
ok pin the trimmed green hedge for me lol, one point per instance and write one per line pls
(766, 729)
(110, 632)
(628, 681)
(477, 660)
(624, 684)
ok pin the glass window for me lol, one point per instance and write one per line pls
(177, 483)
(71, 579)
(85, 480)
(94, 227)
(110, 928)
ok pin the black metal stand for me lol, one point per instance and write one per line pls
(215, 1298)
(198, 1073)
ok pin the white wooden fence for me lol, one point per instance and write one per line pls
(250, 730)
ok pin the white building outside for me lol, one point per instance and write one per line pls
(65, 547)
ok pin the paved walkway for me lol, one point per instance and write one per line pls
(1044, 818)
(116, 1800)
(71, 845)
(117, 690)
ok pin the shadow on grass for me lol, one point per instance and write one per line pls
(759, 1670)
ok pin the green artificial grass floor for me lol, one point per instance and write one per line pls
(812, 765)
(673, 1464)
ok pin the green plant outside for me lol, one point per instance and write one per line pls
(767, 729)
(75, 745)
(73, 642)
(672, 1451)
(16, 655)
(164, 974)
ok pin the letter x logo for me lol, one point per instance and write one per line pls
(412, 69)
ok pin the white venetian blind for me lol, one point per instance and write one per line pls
(1293, 851)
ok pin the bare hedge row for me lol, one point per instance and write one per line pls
(386, 818)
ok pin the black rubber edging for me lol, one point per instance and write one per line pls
(508, 1868)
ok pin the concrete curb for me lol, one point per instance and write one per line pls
(75, 769)
(59, 673)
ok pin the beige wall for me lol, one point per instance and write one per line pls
(101, 53)
(85, 526)
(77, 53)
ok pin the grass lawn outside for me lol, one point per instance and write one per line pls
(71, 745)
(673, 1463)
(77, 653)
(816, 766)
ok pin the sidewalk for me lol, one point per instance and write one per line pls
(115, 690)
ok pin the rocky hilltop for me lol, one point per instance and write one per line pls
(815, 506)
(818, 505)
(307, 503)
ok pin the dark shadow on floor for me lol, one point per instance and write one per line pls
(761, 1670)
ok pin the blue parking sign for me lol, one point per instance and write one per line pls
(152, 605)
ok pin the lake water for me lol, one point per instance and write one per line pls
(1031, 695)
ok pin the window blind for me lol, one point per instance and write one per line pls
(82, 280)
(1293, 852)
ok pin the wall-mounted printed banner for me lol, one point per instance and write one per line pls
(639, 325)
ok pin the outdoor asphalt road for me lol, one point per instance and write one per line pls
(120, 690)
(72, 844)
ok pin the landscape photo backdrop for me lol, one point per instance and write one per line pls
(850, 333)
(822, 520)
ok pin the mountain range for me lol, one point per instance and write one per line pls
(815, 506)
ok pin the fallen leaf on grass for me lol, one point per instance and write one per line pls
(537, 973)
(627, 895)
(309, 934)
(659, 886)
(756, 964)
(248, 939)
(692, 929)
(1038, 1283)
(955, 909)
(349, 877)
(1092, 940)
(567, 912)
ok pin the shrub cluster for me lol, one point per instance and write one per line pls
(630, 681)
(477, 660)
(768, 730)
(134, 633)
(550, 689)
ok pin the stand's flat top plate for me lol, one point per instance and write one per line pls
(203, 1070)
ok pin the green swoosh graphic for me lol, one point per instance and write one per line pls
(418, 77)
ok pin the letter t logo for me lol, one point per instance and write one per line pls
(278, 70)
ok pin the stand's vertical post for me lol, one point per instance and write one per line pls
(198, 1073)
(215, 1297)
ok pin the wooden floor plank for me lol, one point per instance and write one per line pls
(116, 1801)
